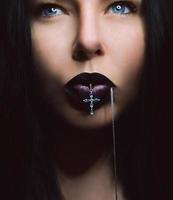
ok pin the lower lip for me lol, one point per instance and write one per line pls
(77, 93)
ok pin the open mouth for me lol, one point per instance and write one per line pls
(88, 91)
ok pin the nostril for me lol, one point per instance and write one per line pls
(99, 52)
(80, 55)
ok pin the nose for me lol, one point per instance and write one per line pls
(88, 43)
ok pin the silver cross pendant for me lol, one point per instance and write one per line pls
(91, 100)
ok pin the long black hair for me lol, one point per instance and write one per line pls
(142, 130)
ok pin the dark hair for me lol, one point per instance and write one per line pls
(149, 121)
(28, 170)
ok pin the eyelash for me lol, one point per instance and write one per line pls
(122, 3)
(42, 7)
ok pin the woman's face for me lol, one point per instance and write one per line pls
(99, 37)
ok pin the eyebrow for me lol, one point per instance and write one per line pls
(53, 1)
(75, 3)
(72, 2)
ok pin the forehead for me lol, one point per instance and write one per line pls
(79, 4)
(84, 1)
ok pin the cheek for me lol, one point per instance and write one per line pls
(133, 47)
(127, 52)
(51, 53)
(127, 46)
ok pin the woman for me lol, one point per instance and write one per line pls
(55, 56)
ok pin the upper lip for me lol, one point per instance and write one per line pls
(90, 78)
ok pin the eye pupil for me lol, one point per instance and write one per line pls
(119, 7)
(51, 11)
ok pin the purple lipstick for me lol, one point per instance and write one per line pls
(85, 87)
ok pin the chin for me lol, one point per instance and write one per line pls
(102, 117)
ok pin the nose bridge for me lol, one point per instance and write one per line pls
(88, 30)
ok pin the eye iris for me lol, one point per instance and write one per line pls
(51, 11)
(120, 9)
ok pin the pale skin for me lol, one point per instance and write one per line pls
(113, 41)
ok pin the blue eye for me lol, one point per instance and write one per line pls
(49, 12)
(122, 7)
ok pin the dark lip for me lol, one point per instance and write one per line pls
(88, 78)
(76, 97)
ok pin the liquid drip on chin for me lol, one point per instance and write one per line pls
(112, 96)
(91, 102)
